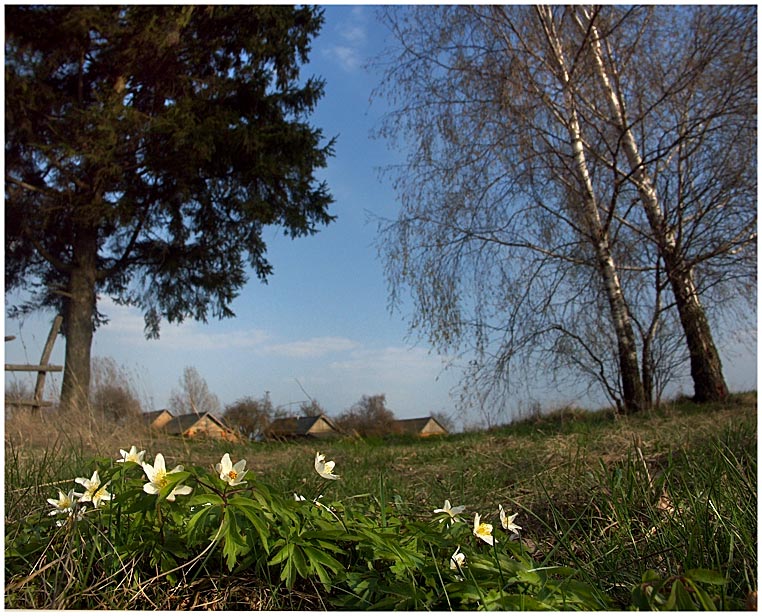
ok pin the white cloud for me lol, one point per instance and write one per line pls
(348, 57)
(189, 337)
(390, 365)
(355, 34)
(127, 324)
(312, 347)
(351, 36)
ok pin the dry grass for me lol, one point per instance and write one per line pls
(553, 470)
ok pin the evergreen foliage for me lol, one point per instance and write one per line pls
(147, 149)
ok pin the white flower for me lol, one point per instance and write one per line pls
(231, 474)
(299, 497)
(94, 492)
(157, 478)
(101, 494)
(457, 560)
(178, 490)
(64, 503)
(451, 511)
(483, 531)
(133, 455)
(324, 469)
(507, 521)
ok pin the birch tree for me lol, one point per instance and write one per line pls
(705, 99)
(501, 206)
(576, 177)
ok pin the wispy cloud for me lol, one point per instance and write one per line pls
(350, 37)
(127, 324)
(312, 347)
(348, 57)
(390, 364)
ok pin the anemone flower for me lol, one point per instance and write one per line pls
(323, 468)
(482, 530)
(133, 455)
(64, 503)
(157, 478)
(230, 473)
(94, 493)
(507, 521)
(457, 560)
(451, 511)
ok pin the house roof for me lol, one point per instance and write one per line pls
(151, 415)
(415, 425)
(181, 423)
(297, 426)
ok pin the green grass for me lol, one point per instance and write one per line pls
(613, 497)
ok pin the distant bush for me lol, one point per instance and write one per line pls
(250, 416)
(368, 417)
(111, 391)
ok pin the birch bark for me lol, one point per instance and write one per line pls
(632, 386)
(706, 366)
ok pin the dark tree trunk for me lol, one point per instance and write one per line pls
(706, 367)
(78, 324)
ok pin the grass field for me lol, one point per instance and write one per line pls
(610, 498)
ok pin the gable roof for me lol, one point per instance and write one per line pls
(181, 423)
(417, 424)
(297, 426)
(151, 415)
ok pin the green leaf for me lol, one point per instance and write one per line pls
(706, 576)
(704, 599)
(255, 516)
(651, 576)
(201, 499)
(684, 600)
(196, 529)
(640, 599)
(316, 556)
(282, 555)
(300, 562)
(234, 543)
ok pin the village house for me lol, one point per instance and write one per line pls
(191, 425)
(318, 426)
(422, 426)
(158, 419)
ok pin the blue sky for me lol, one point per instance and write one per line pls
(322, 321)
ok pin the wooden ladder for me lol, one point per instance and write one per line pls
(41, 369)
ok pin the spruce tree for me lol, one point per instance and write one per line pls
(147, 149)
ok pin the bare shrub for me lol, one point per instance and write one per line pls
(368, 417)
(311, 408)
(250, 416)
(112, 392)
(193, 395)
(446, 420)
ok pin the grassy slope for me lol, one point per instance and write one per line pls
(610, 496)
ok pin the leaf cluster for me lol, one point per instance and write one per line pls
(153, 145)
(363, 551)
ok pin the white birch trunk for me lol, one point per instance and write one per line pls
(706, 367)
(632, 386)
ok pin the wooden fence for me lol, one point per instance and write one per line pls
(41, 369)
